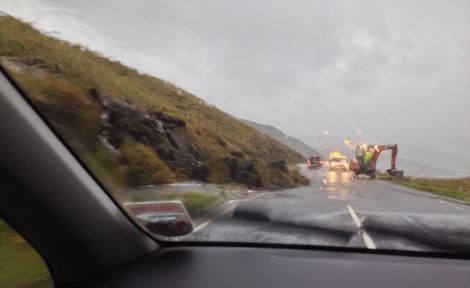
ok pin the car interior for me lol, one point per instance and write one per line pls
(210, 144)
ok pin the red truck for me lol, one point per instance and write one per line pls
(314, 162)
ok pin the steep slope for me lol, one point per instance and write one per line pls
(292, 142)
(133, 129)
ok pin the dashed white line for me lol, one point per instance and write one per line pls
(451, 205)
(365, 236)
(204, 224)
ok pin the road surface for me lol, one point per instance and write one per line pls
(336, 210)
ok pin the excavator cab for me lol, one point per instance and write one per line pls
(361, 164)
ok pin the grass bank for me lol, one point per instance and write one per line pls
(20, 265)
(453, 188)
(150, 132)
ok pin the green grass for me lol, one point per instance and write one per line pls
(20, 265)
(195, 202)
(144, 167)
(453, 188)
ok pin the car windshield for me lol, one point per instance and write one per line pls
(207, 120)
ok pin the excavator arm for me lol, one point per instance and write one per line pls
(393, 167)
(379, 148)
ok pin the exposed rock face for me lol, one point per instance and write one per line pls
(118, 121)
(168, 138)
(35, 67)
(279, 165)
(243, 171)
(164, 134)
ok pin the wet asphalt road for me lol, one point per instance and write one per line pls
(336, 210)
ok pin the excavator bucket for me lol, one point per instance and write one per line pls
(395, 172)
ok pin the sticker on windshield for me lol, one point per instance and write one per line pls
(166, 218)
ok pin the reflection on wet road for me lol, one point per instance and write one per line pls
(337, 210)
(337, 184)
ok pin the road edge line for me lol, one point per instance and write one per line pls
(207, 222)
(451, 205)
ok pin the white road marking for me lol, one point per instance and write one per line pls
(204, 224)
(451, 205)
(369, 242)
(365, 236)
(354, 216)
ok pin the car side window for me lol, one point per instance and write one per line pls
(20, 265)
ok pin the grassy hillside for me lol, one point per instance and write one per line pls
(291, 142)
(20, 265)
(133, 129)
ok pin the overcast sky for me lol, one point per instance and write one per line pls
(375, 71)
